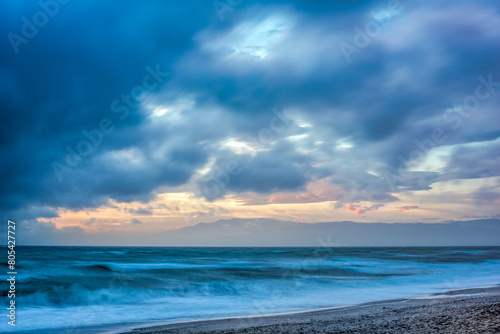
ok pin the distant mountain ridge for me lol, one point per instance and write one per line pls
(269, 232)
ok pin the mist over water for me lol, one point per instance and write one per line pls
(75, 287)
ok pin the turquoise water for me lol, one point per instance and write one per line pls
(71, 288)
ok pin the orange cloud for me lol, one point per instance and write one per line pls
(359, 210)
(406, 208)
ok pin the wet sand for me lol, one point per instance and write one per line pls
(462, 311)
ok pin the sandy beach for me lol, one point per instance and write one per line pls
(462, 311)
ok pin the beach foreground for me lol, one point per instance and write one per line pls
(462, 311)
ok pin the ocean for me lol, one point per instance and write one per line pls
(72, 289)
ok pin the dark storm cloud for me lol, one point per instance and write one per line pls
(224, 79)
(64, 81)
(280, 168)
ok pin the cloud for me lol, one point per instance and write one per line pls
(32, 213)
(278, 169)
(32, 232)
(481, 216)
(407, 208)
(464, 159)
(140, 211)
(353, 124)
(487, 195)
(135, 221)
(360, 210)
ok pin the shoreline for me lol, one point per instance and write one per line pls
(457, 311)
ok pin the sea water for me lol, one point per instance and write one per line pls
(70, 289)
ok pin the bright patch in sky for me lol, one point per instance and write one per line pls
(172, 110)
(343, 145)
(129, 155)
(435, 160)
(239, 147)
(253, 38)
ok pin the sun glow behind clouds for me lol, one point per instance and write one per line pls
(239, 147)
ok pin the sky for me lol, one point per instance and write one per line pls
(142, 117)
